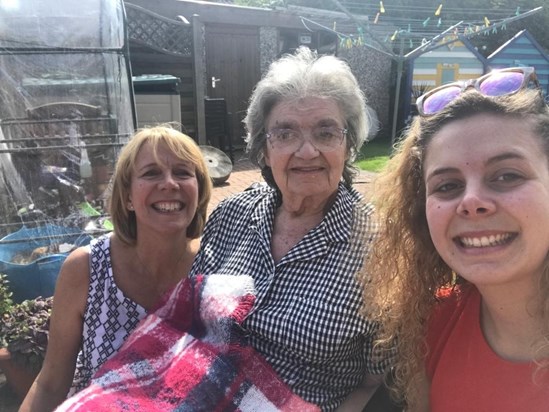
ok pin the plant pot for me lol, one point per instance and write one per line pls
(18, 377)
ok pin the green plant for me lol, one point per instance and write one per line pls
(24, 327)
(6, 303)
(374, 155)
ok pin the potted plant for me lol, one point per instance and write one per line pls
(23, 338)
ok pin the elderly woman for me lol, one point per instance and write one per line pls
(160, 195)
(298, 236)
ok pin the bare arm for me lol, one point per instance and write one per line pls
(54, 380)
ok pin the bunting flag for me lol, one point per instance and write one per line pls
(377, 18)
(437, 13)
(348, 41)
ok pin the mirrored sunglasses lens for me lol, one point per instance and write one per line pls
(502, 83)
(439, 100)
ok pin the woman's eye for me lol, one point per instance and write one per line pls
(446, 188)
(286, 135)
(509, 178)
(505, 177)
(183, 173)
(150, 173)
(326, 134)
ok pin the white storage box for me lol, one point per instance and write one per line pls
(157, 99)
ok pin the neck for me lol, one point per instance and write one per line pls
(162, 259)
(511, 321)
(294, 206)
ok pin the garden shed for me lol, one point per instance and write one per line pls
(523, 50)
(453, 61)
(228, 47)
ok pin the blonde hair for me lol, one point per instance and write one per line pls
(404, 270)
(184, 148)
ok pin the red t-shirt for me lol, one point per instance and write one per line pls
(466, 375)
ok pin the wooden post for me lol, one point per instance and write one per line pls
(199, 67)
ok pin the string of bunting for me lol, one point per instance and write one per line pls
(349, 41)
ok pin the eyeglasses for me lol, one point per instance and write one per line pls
(325, 139)
(496, 83)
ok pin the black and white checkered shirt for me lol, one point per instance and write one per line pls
(305, 319)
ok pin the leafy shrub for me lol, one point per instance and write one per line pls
(24, 327)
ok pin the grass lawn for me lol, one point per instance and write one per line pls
(374, 155)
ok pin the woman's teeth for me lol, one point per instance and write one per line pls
(168, 206)
(485, 241)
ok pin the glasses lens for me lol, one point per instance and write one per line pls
(324, 139)
(327, 138)
(285, 140)
(440, 99)
(502, 83)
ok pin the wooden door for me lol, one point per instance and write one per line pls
(232, 71)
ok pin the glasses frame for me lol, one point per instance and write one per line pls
(343, 131)
(529, 74)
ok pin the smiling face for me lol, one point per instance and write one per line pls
(164, 191)
(487, 199)
(307, 172)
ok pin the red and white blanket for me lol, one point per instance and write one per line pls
(191, 355)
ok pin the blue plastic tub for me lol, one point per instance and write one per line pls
(38, 277)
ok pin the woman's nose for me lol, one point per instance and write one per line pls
(307, 149)
(169, 183)
(475, 202)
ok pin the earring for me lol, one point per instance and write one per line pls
(130, 206)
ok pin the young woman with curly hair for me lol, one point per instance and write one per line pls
(459, 275)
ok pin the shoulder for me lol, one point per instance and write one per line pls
(77, 263)
(243, 203)
(349, 199)
(351, 215)
(73, 280)
(447, 311)
(250, 196)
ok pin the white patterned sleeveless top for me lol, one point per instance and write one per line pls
(109, 316)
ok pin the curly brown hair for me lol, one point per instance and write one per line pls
(404, 271)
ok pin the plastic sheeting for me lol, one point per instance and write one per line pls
(66, 108)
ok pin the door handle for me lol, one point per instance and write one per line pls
(214, 81)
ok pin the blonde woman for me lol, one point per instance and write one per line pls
(158, 207)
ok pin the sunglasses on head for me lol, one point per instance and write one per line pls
(496, 83)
